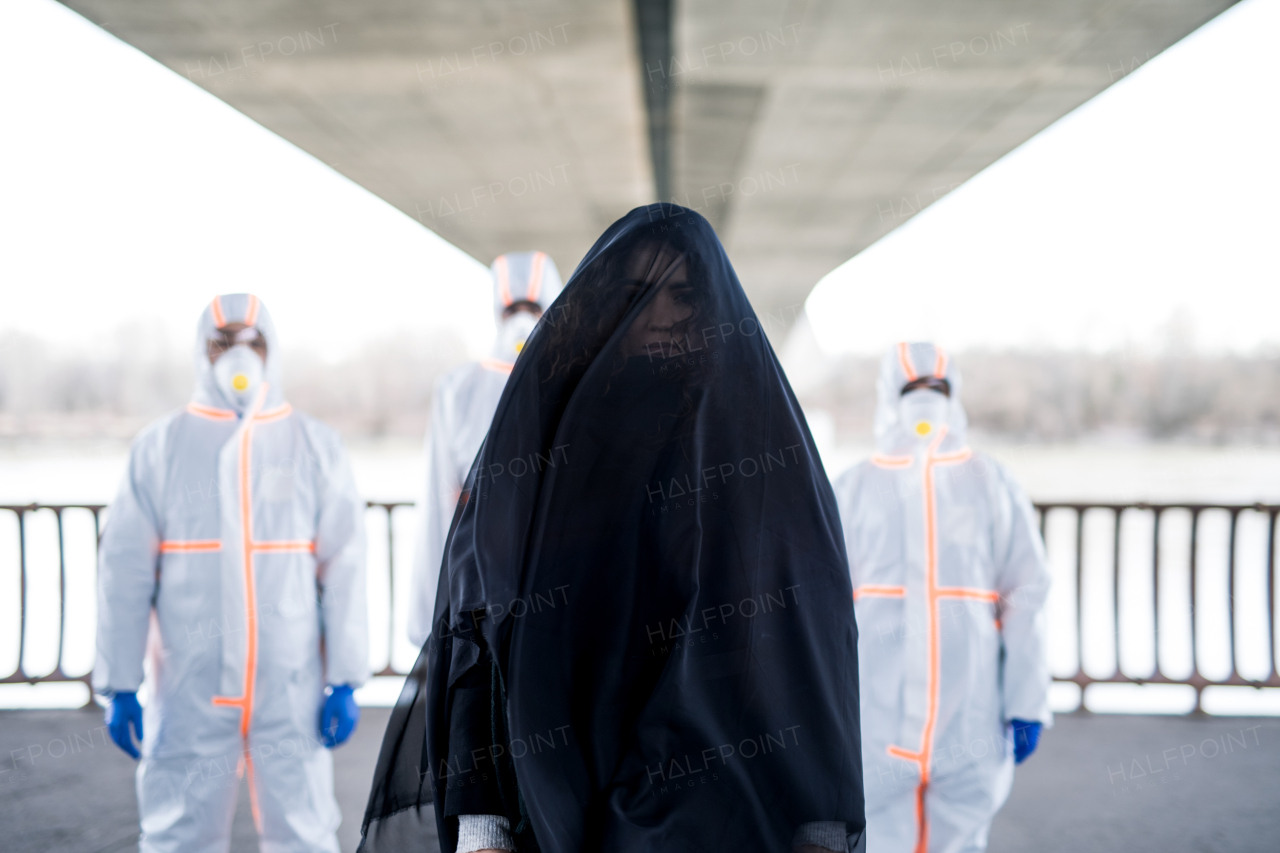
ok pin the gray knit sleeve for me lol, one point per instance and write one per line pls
(484, 832)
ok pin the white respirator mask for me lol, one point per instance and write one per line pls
(512, 334)
(923, 412)
(238, 373)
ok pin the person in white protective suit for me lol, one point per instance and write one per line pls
(233, 559)
(949, 585)
(524, 285)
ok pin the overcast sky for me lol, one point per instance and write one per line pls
(1148, 214)
(130, 193)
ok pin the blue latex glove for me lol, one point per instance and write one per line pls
(339, 716)
(1025, 737)
(123, 712)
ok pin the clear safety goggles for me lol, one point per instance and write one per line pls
(522, 305)
(224, 339)
(929, 383)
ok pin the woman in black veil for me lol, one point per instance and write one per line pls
(644, 634)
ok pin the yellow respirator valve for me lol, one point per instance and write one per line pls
(924, 428)
(240, 382)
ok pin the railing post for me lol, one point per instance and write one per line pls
(1155, 588)
(1080, 673)
(1195, 662)
(1271, 592)
(1115, 585)
(391, 587)
(87, 678)
(62, 591)
(1231, 595)
(22, 590)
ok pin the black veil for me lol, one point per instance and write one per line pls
(648, 563)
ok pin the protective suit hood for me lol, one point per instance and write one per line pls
(223, 310)
(520, 277)
(524, 277)
(904, 363)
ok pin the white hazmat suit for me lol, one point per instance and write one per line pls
(949, 582)
(233, 559)
(461, 411)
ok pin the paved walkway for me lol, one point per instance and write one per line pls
(56, 798)
(1133, 783)
(1098, 783)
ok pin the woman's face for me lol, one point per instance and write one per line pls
(660, 321)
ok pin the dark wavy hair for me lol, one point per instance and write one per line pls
(604, 298)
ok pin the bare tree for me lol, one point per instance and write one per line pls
(114, 388)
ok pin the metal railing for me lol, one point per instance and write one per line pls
(389, 507)
(24, 569)
(19, 675)
(1193, 515)
(1072, 541)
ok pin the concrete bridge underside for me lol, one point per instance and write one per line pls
(804, 129)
